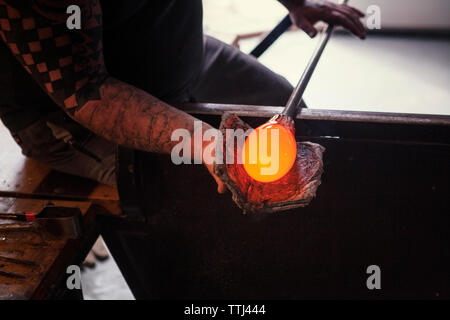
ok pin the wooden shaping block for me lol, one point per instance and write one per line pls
(296, 189)
(27, 258)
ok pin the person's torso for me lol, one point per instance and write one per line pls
(156, 45)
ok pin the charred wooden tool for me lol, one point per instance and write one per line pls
(59, 222)
(295, 189)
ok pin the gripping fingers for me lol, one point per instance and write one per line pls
(348, 23)
(306, 26)
(355, 16)
(355, 11)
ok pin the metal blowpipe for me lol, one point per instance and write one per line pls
(293, 106)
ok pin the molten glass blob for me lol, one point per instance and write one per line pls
(269, 152)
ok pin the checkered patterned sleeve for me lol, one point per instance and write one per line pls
(67, 64)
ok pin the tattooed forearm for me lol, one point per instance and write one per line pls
(69, 66)
(133, 118)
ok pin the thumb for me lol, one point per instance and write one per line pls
(306, 26)
(221, 187)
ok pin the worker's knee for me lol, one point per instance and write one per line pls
(94, 158)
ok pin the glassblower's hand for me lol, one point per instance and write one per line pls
(208, 161)
(221, 187)
(305, 14)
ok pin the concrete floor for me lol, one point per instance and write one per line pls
(379, 74)
(104, 282)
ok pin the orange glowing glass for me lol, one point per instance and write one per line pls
(269, 152)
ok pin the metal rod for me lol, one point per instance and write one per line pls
(317, 114)
(273, 35)
(293, 106)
